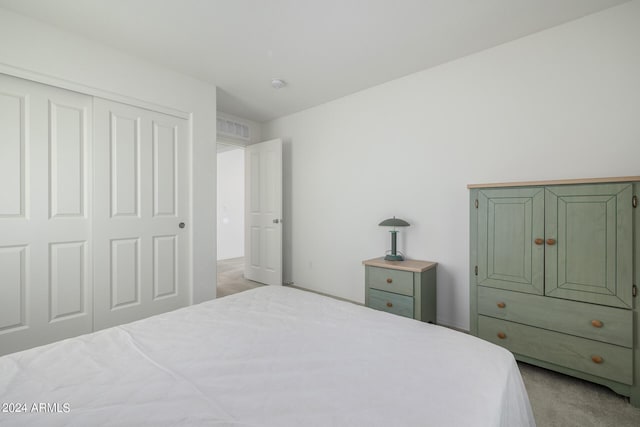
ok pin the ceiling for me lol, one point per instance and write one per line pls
(323, 49)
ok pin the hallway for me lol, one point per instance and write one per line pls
(231, 277)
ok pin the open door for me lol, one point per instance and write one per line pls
(263, 212)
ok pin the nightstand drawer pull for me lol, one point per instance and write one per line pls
(389, 305)
(596, 323)
(389, 280)
(502, 335)
(597, 359)
(501, 305)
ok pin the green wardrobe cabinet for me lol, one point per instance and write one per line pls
(552, 269)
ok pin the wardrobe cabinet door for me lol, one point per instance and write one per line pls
(588, 254)
(510, 229)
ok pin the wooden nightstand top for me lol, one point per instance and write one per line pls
(413, 265)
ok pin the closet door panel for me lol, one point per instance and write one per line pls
(13, 289)
(68, 280)
(141, 160)
(165, 164)
(124, 280)
(124, 172)
(67, 162)
(165, 266)
(69, 257)
(45, 252)
(12, 153)
(19, 229)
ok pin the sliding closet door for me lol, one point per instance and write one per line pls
(45, 251)
(141, 213)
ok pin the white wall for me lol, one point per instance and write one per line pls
(563, 103)
(230, 204)
(29, 48)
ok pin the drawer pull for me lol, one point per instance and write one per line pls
(551, 242)
(389, 280)
(389, 305)
(597, 359)
(502, 335)
(596, 323)
(539, 241)
(501, 305)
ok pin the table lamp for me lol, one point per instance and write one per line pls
(394, 222)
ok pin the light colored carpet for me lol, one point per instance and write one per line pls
(557, 400)
(562, 401)
(231, 277)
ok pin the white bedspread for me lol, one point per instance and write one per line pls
(273, 356)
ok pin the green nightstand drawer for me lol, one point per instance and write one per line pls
(593, 357)
(597, 322)
(391, 303)
(386, 279)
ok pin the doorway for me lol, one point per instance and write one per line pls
(230, 220)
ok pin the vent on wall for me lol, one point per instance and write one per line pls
(232, 129)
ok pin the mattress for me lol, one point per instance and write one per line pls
(272, 356)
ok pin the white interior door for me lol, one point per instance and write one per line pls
(263, 218)
(141, 237)
(45, 250)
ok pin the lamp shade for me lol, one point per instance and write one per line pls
(394, 222)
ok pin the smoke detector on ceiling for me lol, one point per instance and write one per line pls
(278, 83)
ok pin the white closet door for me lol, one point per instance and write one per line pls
(141, 201)
(45, 251)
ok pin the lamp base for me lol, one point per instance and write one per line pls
(394, 258)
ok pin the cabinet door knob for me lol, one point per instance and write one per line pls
(389, 305)
(501, 305)
(597, 359)
(182, 225)
(502, 335)
(539, 241)
(551, 242)
(596, 323)
(389, 280)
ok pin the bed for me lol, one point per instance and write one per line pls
(272, 356)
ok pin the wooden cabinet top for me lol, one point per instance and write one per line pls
(558, 182)
(413, 265)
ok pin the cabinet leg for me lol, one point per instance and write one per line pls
(634, 397)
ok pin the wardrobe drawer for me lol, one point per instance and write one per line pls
(391, 303)
(597, 322)
(386, 279)
(593, 357)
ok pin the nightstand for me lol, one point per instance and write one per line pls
(406, 288)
